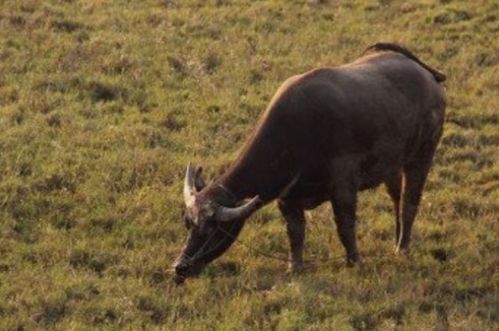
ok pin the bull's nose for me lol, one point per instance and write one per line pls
(180, 273)
(181, 268)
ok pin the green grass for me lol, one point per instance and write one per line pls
(102, 105)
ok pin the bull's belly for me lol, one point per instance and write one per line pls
(371, 182)
(308, 194)
(313, 202)
(377, 174)
(380, 164)
(368, 172)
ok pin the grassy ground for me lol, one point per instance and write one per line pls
(103, 103)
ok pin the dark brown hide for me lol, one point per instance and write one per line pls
(332, 132)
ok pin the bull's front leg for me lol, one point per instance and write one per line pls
(295, 225)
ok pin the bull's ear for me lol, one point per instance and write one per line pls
(199, 181)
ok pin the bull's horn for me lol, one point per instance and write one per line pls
(189, 187)
(226, 214)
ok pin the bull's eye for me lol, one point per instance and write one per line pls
(207, 227)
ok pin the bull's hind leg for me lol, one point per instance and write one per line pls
(344, 202)
(415, 174)
(295, 225)
(394, 188)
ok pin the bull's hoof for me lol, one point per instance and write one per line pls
(352, 260)
(295, 268)
(351, 264)
(401, 250)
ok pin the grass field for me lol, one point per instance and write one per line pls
(103, 104)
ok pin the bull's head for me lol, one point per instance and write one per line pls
(213, 222)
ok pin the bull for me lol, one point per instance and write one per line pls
(326, 135)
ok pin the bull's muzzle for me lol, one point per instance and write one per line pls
(184, 269)
(181, 268)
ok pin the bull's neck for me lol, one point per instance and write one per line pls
(266, 164)
(266, 178)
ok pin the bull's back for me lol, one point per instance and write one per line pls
(369, 116)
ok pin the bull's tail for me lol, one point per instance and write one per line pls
(439, 77)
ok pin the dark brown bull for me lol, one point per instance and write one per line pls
(326, 135)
